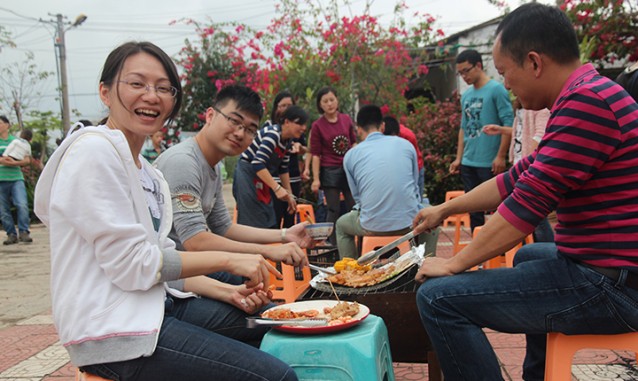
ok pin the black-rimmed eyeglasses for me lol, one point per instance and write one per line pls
(237, 124)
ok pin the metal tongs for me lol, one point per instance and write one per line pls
(324, 270)
(374, 255)
(254, 322)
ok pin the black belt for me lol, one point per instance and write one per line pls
(614, 273)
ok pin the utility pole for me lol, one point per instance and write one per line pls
(64, 89)
(60, 45)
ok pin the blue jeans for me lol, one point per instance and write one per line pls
(16, 192)
(421, 183)
(471, 178)
(544, 292)
(201, 339)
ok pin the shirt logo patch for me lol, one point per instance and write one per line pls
(187, 202)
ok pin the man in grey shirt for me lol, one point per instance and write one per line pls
(192, 169)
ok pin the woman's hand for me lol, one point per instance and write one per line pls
(316, 184)
(297, 233)
(250, 299)
(254, 267)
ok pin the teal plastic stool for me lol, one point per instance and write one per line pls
(360, 353)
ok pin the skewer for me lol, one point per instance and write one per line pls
(333, 290)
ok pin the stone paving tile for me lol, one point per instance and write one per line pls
(43, 363)
(410, 372)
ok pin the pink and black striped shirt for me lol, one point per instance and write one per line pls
(585, 168)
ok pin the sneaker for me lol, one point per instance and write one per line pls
(11, 239)
(25, 237)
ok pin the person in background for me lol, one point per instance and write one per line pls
(585, 168)
(331, 136)
(394, 128)
(382, 173)
(628, 79)
(268, 153)
(525, 134)
(12, 190)
(20, 148)
(282, 101)
(157, 146)
(192, 169)
(124, 301)
(479, 157)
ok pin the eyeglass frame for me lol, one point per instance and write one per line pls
(465, 71)
(237, 124)
(173, 90)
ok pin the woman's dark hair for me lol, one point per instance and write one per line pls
(323, 91)
(392, 126)
(115, 61)
(275, 103)
(541, 28)
(295, 114)
(4, 119)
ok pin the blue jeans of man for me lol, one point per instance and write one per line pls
(471, 178)
(201, 339)
(544, 292)
(14, 192)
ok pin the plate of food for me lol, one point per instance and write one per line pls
(338, 315)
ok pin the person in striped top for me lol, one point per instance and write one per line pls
(586, 168)
(268, 154)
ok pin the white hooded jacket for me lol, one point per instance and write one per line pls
(108, 264)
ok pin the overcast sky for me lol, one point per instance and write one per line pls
(112, 22)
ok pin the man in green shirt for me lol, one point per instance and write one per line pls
(12, 190)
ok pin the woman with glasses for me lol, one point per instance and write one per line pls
(123, 297)
(269, 153)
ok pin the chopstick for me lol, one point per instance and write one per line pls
(307, 215)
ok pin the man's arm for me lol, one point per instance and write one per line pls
(499, 162)
(456, 164)
(11, 162)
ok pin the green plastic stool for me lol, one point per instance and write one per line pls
(355, 354)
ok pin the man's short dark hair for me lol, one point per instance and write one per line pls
(391, 126)
(541, 28)
(369, 116)
(4, 119)
(26, 134)
(245, 99)
(470, 56)
(295, 114)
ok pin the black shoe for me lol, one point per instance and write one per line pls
(25, 237)
(11, 239)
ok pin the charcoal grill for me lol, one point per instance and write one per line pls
(394, 300)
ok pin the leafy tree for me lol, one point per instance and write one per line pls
(605, 28)
(20, 84)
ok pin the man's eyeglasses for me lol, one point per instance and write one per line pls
(238, 125)
(466, 70)
(162, 91)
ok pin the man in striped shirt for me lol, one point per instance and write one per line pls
(586, 168)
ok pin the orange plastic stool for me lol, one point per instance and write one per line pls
(293, 284)
(373, 242)
(79, 376)
(463, 218)
(561, 349)
(305, 212)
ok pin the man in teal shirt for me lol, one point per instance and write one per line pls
(479, 156)
(12, 190)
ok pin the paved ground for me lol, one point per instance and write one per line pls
(31, 351)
